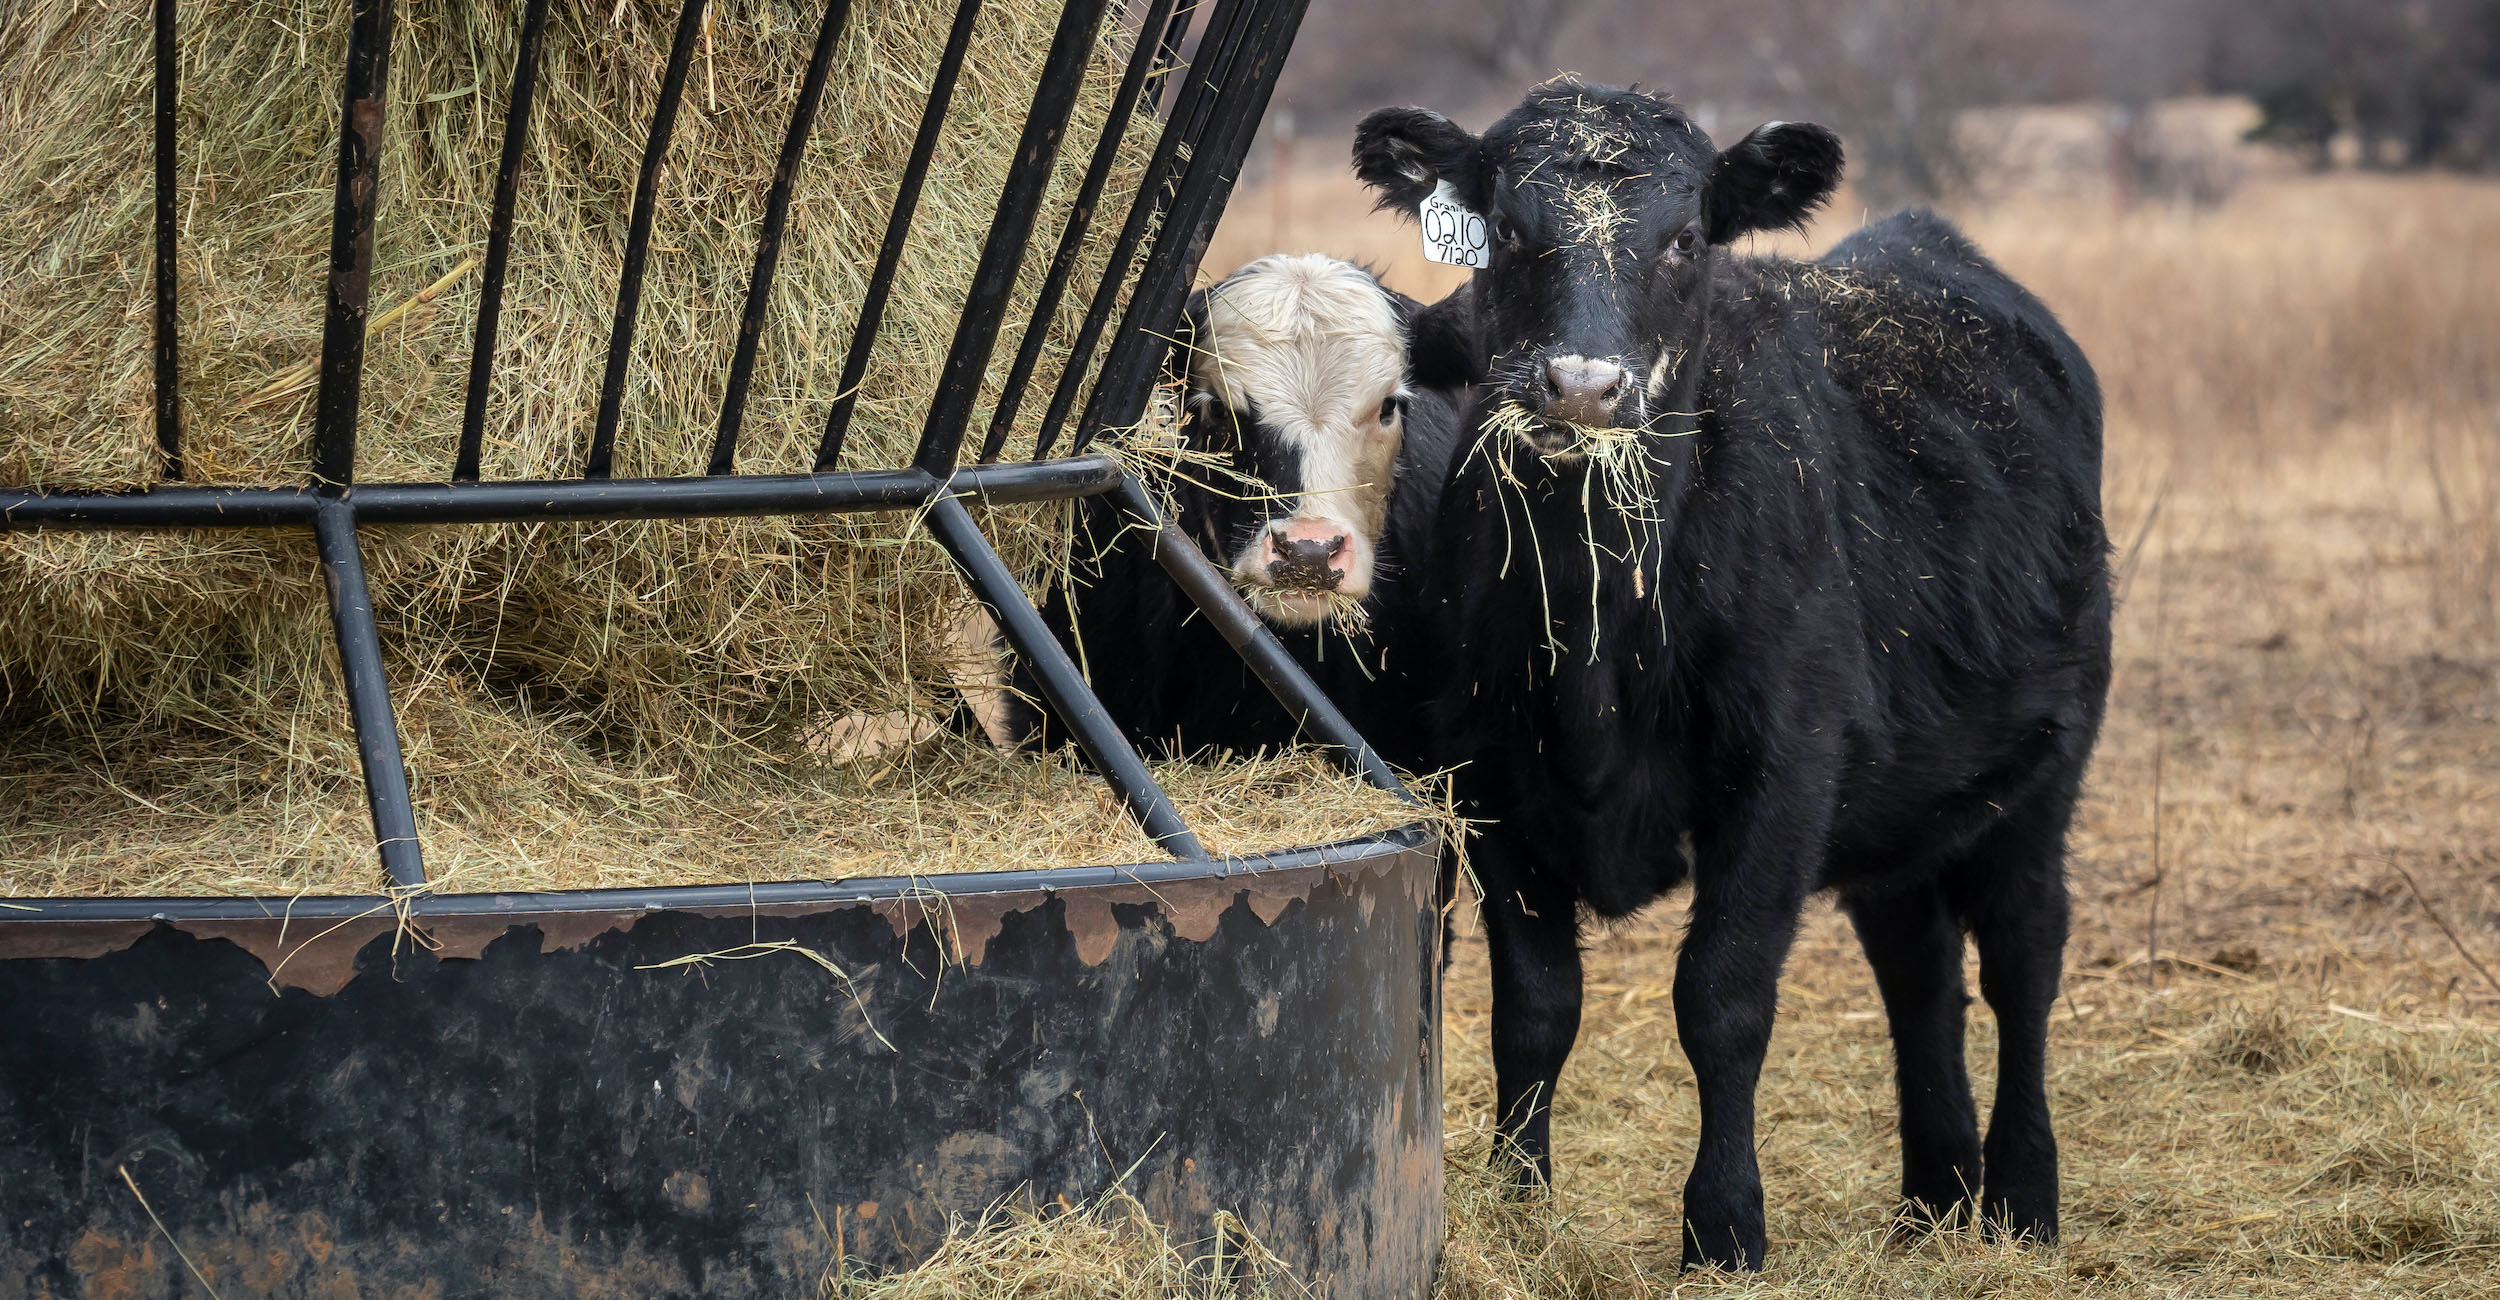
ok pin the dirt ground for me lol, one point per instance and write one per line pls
(2273, 1068)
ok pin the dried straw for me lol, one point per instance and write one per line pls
(683, 644)
(509, 801)
(582, 704)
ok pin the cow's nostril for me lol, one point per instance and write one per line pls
(1306, 562)
(1584, 391)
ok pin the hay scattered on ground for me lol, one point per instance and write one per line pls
(199, 817)
(1109, 1250)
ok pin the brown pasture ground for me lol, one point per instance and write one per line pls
(2276, 1066)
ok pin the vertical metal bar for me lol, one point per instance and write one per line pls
(1208, 588)
(1120, 395)
(897, 232)
(1072, 237)
(499, 241)
(351, 243)
(1011, 228)
(1153, 192)
(368, 692)
(638, 239)
(733, 402)
(168, 366)
(1167, 50)
(1060, 681)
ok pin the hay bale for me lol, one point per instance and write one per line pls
(681, 644)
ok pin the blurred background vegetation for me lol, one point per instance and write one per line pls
(2373, 83)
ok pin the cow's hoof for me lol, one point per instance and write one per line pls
(1731, 1246)
(1919, 1218)
(2023, 1216)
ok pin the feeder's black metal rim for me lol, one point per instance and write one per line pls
(659, 898)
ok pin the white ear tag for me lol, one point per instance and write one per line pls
(1453, 234)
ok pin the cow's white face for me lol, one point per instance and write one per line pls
(1299, 373)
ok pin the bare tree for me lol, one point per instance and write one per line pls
(1512, 40)
(1895, 76)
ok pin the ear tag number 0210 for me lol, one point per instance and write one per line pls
(1453, 233)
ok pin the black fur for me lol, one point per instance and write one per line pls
(1168, 678)
(1851, 634)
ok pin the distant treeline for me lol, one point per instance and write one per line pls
(2407, 83)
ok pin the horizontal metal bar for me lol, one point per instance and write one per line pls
(368, 693)
(731, 898)
(626, 498)
(1061, 683)
(1258, 647)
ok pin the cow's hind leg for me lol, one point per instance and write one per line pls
(1915, 946)
(2011, 892)
(1532, 935)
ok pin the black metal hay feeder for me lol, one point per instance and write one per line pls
(720, 1090)
(522, 1095)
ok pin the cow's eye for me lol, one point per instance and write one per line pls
(1391, 409)
(1687, 242)
(1504, 232)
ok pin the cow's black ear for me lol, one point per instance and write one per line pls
(1402, 153)
(1442, 347)
(1772, 179)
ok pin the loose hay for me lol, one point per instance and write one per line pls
(512, 802)
(566, 690)
(679, 640)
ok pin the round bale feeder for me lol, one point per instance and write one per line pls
(729, 1089)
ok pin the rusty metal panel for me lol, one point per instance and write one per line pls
(506, 1097)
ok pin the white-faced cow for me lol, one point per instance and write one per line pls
(1771, 575)
(1316, 472)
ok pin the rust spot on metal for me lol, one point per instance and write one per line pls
(109, 1268)
(693, 1191)
(317, 955)
(32, 939)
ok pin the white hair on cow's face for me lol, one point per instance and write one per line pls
(1311, 347)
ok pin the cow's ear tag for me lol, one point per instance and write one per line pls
(1453, 233)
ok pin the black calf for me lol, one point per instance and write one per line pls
(1779, 576)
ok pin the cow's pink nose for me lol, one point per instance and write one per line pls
(1585, 391)
(1305, 554)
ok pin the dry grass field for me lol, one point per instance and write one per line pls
(2277, 1064)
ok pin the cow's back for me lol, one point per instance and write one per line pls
(1964, 427)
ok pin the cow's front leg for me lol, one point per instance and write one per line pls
(1748, 884)
(1532, 934)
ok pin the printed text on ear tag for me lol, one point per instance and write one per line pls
(1452, 233)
